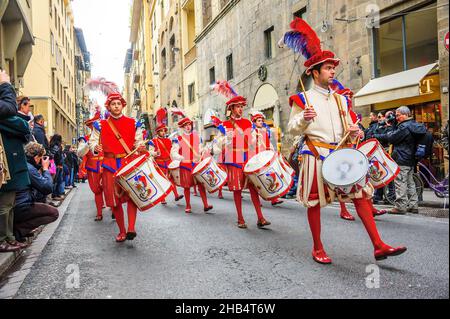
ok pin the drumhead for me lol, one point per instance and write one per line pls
(174, 165)
(259, 161)
(345, 167)
(136, 162)
(200, 166)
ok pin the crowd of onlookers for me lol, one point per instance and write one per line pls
(39, 170)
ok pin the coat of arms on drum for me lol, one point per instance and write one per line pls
(375, 171)
(211, 178)
(272, 181)
(144, 190)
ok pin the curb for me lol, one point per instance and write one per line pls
(8, 260)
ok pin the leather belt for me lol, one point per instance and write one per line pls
(112, 155)
(97, 158)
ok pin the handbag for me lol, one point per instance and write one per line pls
(52, 167)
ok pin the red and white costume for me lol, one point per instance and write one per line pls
(114, 153)
(324, 132)
(235, 144)
(187, 148)
(160, 149)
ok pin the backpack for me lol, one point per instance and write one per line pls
(424, 145)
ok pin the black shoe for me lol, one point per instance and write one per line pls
(131, 235)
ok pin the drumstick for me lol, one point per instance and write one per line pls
(135, 150)
(308, 105)
(344, 139)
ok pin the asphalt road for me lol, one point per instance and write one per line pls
(206, 256)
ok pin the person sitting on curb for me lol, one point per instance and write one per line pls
(31, 211)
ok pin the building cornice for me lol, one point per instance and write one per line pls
(216, 20)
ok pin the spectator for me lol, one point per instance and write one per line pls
(69, 162)
(56, 153)
(39, 131)
(13, 131)
(31, 211)
(24, 112)
(403, 138)
(76, 165)
(370, 131)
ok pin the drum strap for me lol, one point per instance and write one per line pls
(190, 146)
(162, 144)
(118, 136)
(312, 148)
(341, 112)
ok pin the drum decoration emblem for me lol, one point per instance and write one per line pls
(375, 171)
(142, 186)
(211, 178)
(271, 182)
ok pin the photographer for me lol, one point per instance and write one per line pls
(31, 211)
(404, 140)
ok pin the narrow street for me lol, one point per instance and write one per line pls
(206, 256)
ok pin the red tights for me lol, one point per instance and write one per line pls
(119, 214)
(255, 200)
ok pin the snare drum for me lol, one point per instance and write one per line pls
(270, 177)
(174, 172)
(382, 168)
(210, 175)
(144, 184)
(345, 171)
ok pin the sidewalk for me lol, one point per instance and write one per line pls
(7, 260)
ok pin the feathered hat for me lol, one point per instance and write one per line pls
(257, 115)
(161, 127)
(91, 121)
(224, 88)
(108, 88)
(303, 39)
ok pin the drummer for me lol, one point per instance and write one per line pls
(261, 134)
(159, 149)
(233, 143)
(187, 149)
(323, 126)
(115, 138)
(93, 165)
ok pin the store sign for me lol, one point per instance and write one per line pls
(425, 86)
(446, 41)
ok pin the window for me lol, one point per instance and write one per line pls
(269, 42)
(212, 75)
(230, 67)
(172, 51)
(156, 56)
(300, 13)
(52, 43)
(191, 93)
(404, 43)
(163, 61)
(53, 83)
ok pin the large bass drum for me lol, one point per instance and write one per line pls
(345, 171)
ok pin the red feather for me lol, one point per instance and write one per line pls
(302, 39)
(224, 88)
(215, 121)
(100, 84)
(161, 116)
(177, 111)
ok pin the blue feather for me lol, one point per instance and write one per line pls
(297, 42)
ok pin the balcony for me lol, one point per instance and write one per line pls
(190, 56)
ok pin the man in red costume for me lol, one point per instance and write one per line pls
(187, 148)
(93, 165)
(160, 148)
(261, 136)
(321, 115)
(234, 144)
(115, 138)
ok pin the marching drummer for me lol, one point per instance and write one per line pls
(93, 166)
(160, 148)
(187, 148)
(324, 119)
(261, 135)
(233, 143)
(116, 137)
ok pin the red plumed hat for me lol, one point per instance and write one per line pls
(224, 88)
(303, 39)
(258, 115)
(184, 121)
(115, 96)
(238, 100)
(161, 127)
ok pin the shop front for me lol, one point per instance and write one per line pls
(419, 89)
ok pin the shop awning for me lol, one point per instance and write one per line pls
(396, 86)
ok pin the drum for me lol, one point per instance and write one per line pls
(210, 175)
(345, 171)
(144, 184)
(174, 172)
(382, 168)
(286, 165)
(269, 175)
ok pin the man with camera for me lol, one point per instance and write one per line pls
(404, 139)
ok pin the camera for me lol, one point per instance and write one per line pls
(390, 119)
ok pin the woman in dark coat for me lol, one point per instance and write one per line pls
(56, 153)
